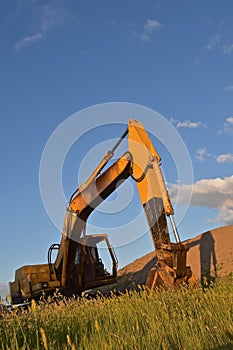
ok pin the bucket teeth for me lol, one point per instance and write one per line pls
(164, 277)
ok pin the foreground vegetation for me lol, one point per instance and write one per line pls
(187, 319)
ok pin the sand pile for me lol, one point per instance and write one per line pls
(210, 253)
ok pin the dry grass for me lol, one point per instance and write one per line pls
(188, 319)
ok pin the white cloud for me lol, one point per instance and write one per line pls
(229, 88)
(201, 154)
(210, 193)
(187, 124)
(225, 216)
(227, 126)
(225, 158)
(150, 26)
(219, 42)
(28, 40)
(50, 17)
(213, 42)
(227, 49)
(145, 38)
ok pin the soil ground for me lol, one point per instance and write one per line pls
(211, 253)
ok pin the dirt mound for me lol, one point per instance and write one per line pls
(210, 253)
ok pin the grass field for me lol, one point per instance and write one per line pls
(187, 319)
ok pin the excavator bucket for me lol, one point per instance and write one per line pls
(161, 276)
(164, 276)
(170, 271)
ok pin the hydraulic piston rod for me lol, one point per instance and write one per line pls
(174, 228)
(100, 166)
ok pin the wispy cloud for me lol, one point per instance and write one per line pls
(210, 193)
(227, 48)
(225, 158)
(220, 41)
(229, 88)
(187, 124)
(150, 27)
(227, 126)
(213, 42)
(50, 17)
(202, 154)
(53, 17)
(28, 40)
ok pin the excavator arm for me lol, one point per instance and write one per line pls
(142, 163)
(77, 266)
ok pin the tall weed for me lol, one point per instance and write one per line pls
(188, 319)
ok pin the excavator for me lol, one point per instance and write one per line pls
(78, 266)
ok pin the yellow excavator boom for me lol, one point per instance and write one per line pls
(77, 265)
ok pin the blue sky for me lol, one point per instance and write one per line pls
(58, 57)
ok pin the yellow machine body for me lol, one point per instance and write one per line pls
(78, 266)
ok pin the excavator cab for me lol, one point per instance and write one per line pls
(89, 270)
